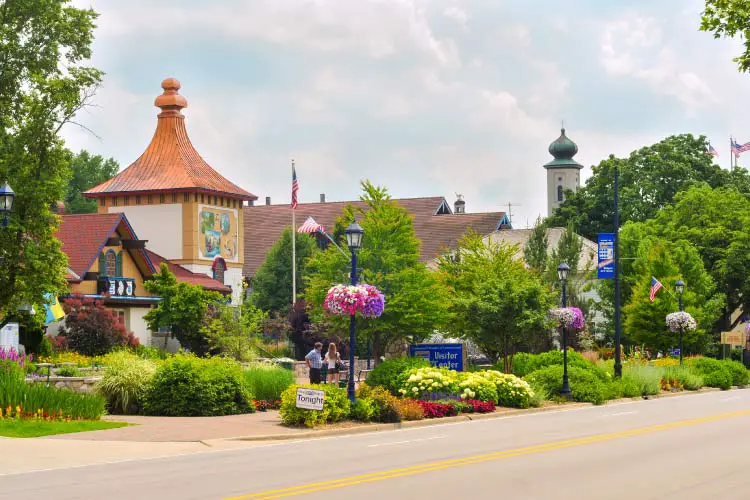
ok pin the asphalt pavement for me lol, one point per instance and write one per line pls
(687, 447)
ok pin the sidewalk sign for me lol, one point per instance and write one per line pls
(310, 399)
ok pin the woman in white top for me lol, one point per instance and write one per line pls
(331, 360)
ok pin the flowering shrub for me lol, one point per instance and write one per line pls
(437, 410)
(681, 321)
(263, 405)
(477, 386)
(10, 355)
(351, 299)
(511, 390)
(480, 406)
(422, 380)
(568, 317)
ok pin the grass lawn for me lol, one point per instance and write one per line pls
(37, 428)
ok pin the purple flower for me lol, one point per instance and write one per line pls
(347, 300)
(568, 317)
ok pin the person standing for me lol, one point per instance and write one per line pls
(333, 361)
(314, 362)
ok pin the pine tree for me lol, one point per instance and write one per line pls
(535, 249)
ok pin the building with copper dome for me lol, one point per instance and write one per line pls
(563, 172)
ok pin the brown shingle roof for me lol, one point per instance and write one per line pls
(170, 163)
(186, 276)
(83, 236)
(265, 223)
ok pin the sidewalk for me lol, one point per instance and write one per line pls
(187, 429)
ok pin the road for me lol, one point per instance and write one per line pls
(687, 447)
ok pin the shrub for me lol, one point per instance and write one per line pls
(125, 381)
(391, 373)
(740, 374)
(68, 371)
(419, 381)
(186, 386)
(91, 328)
(433, 409)
(37, 398)
(409, 409)
(532, 362)
(363, 410)
(336, 406)
(715, 373)
(511, 390)
(386, 407)
(639, 381)
(267, 381)
(477, 386)
(585, 386)
(684, 375)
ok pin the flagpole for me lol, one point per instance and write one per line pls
(731, 153)
(294, 251)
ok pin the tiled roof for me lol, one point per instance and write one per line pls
(265, 223)
(170, 163)
(82, 237)
(186, 276)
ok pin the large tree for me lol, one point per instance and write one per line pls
(668, 262)
(43, 84)
(183, 308)
(649, 180)
(87, 171)
(496, 302)
(272, 284)
(416, 301)
(729, 18)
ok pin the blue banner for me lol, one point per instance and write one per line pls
(449, 356)
(606, 264)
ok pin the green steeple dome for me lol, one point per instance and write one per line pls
(563, 149)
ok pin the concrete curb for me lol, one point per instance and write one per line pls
(467, 417)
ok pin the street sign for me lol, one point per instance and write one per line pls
(606, 256)
(675, 352)
(310, 399)
(733, 338)
(449, 356)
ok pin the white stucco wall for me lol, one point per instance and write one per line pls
(135, 323)
(161, 225)
(568, 178)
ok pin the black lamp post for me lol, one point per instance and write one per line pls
(563, 271)
(6, 202)
(354, 235)
(680, 288)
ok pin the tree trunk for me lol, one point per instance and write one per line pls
(376, 347)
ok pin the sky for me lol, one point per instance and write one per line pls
(427, 98)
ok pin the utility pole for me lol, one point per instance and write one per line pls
(618, 326)
(510, 211)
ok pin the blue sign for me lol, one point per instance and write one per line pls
(606, 265)
(449, 356)
(675, 352)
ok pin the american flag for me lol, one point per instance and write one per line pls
(310, 226)
(655, 287)
(738, 149)
(712, 151)
(295, 187)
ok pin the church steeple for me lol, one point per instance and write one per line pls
(563, 172)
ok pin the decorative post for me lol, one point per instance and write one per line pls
(680, 322)
(618, 319)
(354, 239)
(563, 271)
(680, 288)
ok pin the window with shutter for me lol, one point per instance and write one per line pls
(110, 260)
(102, 264)
(118, 265)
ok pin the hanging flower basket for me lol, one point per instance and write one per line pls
(568, 317)
(681, 321)
(346, 300)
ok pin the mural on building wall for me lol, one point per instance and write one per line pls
(217, 233)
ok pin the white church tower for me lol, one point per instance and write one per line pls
(563, 173)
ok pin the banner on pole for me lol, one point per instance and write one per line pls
(606, 253)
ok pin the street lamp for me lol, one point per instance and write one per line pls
(563, 271)
(680, 288)
(354, 235)
(6, 202)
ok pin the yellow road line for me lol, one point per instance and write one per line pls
(458, 462)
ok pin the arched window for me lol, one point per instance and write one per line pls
(219, 268)
(111, 263)
(559, 193)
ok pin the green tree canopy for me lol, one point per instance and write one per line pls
(183, 308)
(729, 18)
(535, 249)
(272, 284)
(497, 303)
(649, 180)
(43, 84)
(669, 261)
(87, 171)
(416, 301)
